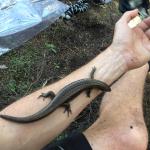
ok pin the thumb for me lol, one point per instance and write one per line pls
(129, 15)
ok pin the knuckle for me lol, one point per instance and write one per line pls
(127, 13)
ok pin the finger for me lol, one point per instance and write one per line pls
(147, 21)
(148, 33)
(145, 24)
(129, 15)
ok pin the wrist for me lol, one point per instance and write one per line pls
(121, 53)
(110, 65)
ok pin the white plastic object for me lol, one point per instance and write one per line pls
(20, 20)
(134, 22)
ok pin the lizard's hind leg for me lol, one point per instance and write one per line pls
(49, 94)
(88, 92)
(67, 108)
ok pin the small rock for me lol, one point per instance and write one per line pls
(3, 67)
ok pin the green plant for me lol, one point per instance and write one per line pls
(62, 136)
(51, 47)
(12, 86)
(56, 65)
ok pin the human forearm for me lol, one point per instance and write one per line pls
(110, 65)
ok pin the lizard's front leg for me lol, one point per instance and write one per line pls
(88, 92)
(49, 94)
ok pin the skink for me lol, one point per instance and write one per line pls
(63, 96)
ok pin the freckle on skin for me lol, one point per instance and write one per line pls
(131, 127)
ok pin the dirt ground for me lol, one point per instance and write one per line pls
(56, 52)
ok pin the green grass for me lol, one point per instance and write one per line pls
(18, 77)
(51, 47)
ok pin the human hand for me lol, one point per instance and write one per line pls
(133, 43)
